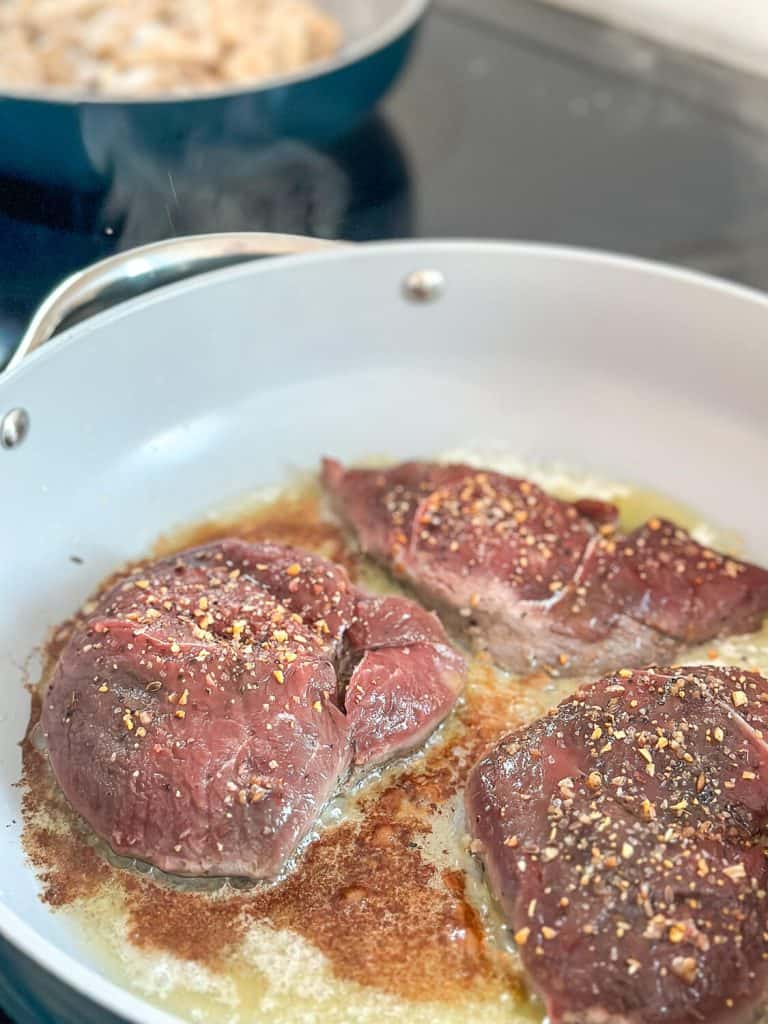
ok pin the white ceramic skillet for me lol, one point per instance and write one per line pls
(148, 415)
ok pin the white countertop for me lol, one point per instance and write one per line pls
(731, 32)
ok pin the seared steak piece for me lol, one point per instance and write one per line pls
(397, 693)
(544, 583)
(623, 836)
(198, 719)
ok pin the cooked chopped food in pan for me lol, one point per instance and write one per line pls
(209, 705)
(144, 47)
(624, 836)
(540, 582)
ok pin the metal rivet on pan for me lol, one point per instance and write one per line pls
(14, 427)
(424, 285)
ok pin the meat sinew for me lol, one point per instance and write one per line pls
(199, 719)
(544, 583)
(624, 837)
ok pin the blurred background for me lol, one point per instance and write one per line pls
(646, 133)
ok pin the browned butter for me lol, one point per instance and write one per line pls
(384, 915)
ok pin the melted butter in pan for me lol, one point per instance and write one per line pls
(385, 914)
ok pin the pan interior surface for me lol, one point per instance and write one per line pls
(360, 21)
(156, 413)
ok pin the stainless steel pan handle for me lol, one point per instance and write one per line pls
(148, 267)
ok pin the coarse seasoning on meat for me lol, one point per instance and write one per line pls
(210, 704)
(540, 582)
(624, 837)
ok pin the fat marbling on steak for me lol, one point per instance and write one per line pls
(624, 837)
(212, 702)
(540, 582)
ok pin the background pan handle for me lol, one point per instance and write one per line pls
(143, 269)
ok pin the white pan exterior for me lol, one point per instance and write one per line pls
(150, 415)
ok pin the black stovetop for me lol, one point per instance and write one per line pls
(513, 121)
